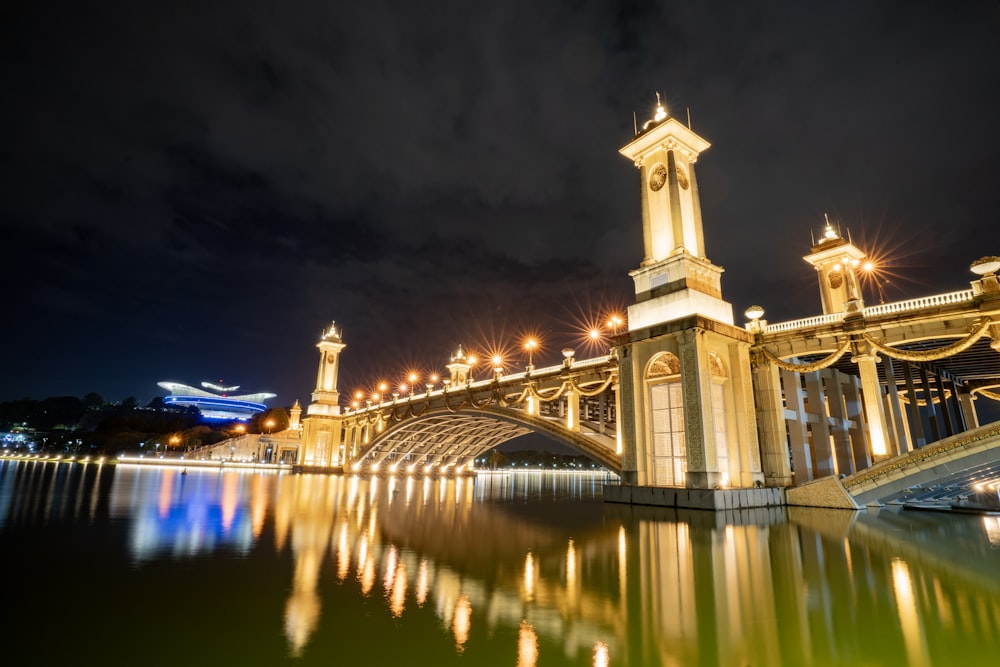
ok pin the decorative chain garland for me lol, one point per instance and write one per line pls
(807, 368)
(935, 354)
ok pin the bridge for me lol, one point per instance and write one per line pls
(443, 430)
(692, 409)
(883, 398)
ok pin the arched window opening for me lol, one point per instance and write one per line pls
(666, 407)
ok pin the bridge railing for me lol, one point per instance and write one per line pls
(485, 383)
(804, 323)
(936, 300)
(962, 296)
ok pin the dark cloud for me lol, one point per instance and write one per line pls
(192, 190)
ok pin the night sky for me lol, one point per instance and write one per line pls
(194, 190)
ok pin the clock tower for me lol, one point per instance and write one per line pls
(686, 418)
(675, 278)
(322, 431)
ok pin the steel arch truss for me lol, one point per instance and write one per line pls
(442, 441)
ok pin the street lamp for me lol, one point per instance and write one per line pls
(530, 346)
(472, 361)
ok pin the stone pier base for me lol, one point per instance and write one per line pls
(701, 499)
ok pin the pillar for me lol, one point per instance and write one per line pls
(858, 429)
(916, 419)
(625, 418)
(616, 387)
(572, 410)
(822, 455)
(771, 425)
(798, 434)
(899, 433)
(745, 436)
(932, 416)
(840, 423)
(699, 431)
(949, 429)
(968, 405)
(871, 394)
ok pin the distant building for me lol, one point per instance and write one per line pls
(216, 402)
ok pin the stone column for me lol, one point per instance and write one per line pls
(572, 410)
(771, 425)
(899, 432)
(797, 428)
(839, 422)
(967, 402)
(699, 432)
(616, 387)
(625, 421)
(871, 394)
(916, 419)
(745, 438)
(858, 429)
(822, 454)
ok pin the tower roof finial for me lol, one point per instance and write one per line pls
(829, 234)
(661, 111)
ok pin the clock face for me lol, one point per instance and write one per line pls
(657, 176)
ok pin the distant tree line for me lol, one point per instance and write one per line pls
(91, 425)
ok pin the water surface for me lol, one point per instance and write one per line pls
(128, 565)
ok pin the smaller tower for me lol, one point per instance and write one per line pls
(836, 261)
(458, 369)
(294, 416)
(326, 398)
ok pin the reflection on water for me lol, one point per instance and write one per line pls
(532, 569)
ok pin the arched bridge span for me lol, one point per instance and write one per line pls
(445, 430)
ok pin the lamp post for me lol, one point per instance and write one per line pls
(754, 313)
(530, 346)
(266, 454)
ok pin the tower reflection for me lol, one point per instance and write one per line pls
(609, 585)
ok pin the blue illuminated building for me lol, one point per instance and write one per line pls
(216, 402)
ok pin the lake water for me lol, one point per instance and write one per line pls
(128, 565)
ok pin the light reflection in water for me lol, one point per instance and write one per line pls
(390, 569)
(632, 586)
(343, 553)
(992, 526)
(462, 621)
(397, 599)
(601, 656)
(909, 620)
(527, 645)
(422, 583)
(529, 577)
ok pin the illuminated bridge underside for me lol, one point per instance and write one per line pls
(446, 440)
(945, 471)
